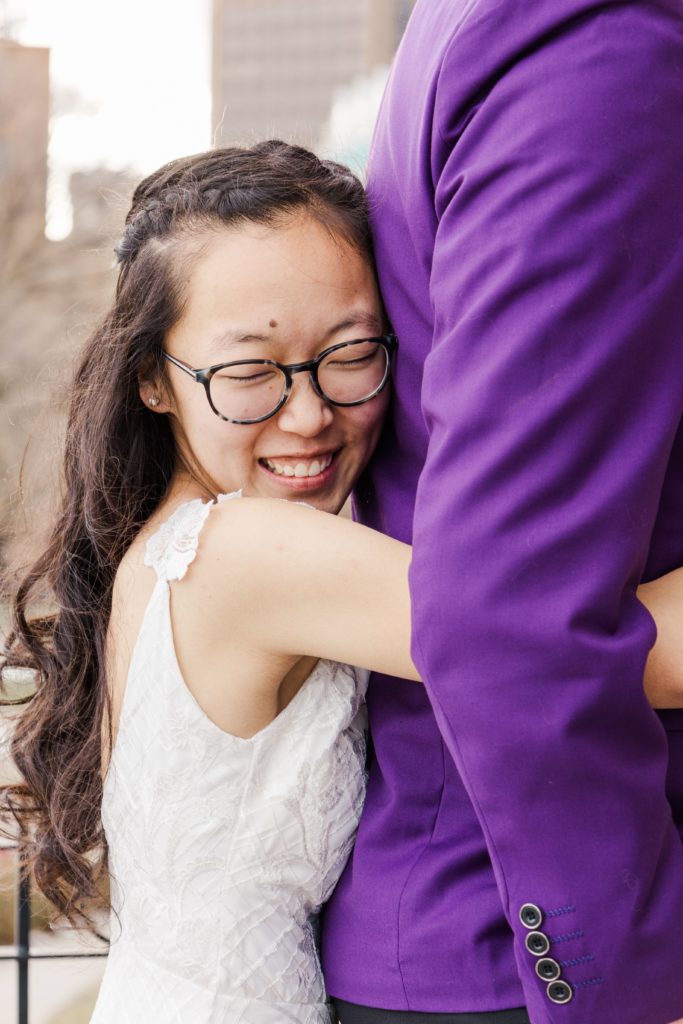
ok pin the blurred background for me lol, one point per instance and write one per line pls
(93, 96)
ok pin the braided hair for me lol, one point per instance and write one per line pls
(238, 185)
(118, 461)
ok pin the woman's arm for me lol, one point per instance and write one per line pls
(291, 580)
(664, 669)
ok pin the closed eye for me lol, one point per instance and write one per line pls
(244, 376)
(359, 361)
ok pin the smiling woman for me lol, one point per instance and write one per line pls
(160, 699)
(321, 292)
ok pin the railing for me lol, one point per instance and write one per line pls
(21, 952)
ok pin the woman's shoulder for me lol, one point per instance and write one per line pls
(151, 547)
(175, 524)
(259, 517)
(229, 540)
(247, 536)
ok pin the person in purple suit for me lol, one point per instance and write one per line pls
(521, 841)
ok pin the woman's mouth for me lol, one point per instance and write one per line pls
(301, 473)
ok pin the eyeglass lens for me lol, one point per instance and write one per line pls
(347, 375)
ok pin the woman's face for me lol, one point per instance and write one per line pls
(283, 293)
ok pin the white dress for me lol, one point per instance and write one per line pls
(223, 849)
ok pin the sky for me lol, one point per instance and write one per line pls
(130, 82)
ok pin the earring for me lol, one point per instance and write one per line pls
(153, 401)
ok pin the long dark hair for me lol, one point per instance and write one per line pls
(118, 462)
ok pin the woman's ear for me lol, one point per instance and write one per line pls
(153, 391)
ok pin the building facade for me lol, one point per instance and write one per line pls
(277, 63)
(24, 117)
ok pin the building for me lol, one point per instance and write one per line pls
(277, 63)
(24, 116)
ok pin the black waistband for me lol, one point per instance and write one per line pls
(349, 1013)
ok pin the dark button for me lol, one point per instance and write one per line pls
(559, 992)
(548, 969)
(537, 943)
(530, 915)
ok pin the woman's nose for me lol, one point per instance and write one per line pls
(304, 412)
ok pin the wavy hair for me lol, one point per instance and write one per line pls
(118, 462)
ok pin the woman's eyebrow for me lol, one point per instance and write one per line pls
(233, 335)
(368, 321)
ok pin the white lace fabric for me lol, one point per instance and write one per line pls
(222, 849)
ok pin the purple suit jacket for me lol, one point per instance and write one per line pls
(526, 184)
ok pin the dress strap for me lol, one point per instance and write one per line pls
(172, 549)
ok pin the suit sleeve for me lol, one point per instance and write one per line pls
(552, 396)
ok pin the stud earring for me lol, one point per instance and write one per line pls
(153, 401)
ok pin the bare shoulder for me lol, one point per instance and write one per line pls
(258, 527)
(291, 579)
(264, 538)
(248, 516)
(246, 543)
(274, 581)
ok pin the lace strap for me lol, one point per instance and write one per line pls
(172, 549)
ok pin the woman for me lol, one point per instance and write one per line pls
(184, 733)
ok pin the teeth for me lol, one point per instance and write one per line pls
(301, 469)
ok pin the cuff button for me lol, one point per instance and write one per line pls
(530, 915)
(537, 943)
(548, 969)
(559, 992)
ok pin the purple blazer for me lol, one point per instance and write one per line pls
(526, 184)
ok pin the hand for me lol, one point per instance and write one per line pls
(663, 678)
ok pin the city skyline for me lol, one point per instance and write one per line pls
(278, 65)
(130, 100)
(122, 99)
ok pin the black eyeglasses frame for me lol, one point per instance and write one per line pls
(389, 342)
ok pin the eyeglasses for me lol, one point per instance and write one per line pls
(253, 390)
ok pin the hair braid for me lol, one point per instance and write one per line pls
(233, 185)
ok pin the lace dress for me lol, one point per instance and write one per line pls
(223, 849)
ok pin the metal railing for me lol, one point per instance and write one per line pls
(22, 953)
